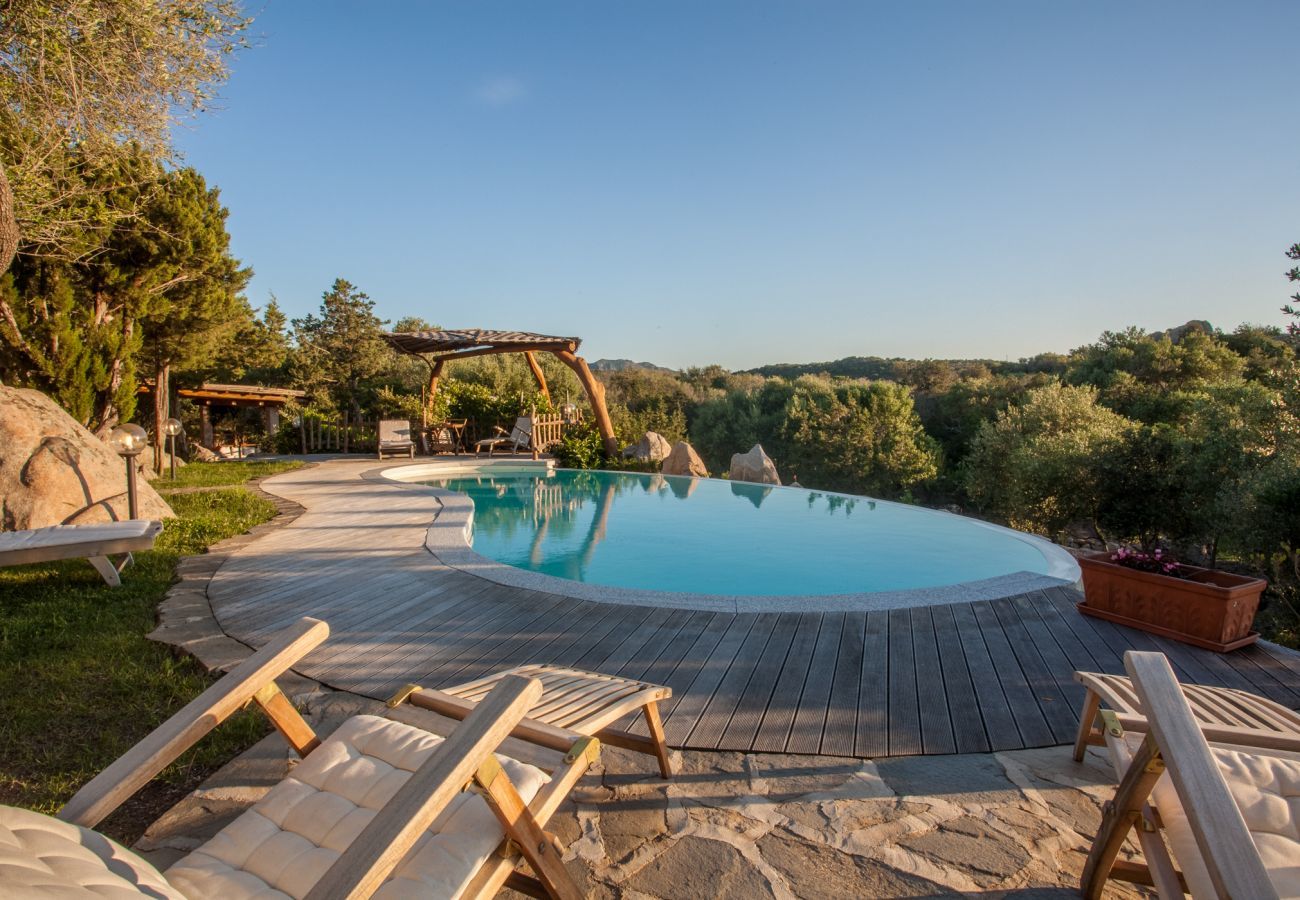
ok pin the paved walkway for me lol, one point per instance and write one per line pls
(970, 677)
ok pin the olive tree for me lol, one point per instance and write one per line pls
(1034, 465)
(83, 81)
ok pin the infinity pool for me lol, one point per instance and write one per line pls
(705, 536)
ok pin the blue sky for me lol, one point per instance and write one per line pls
(751, 182)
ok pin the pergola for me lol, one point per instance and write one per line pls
(269, 400)
(437, 348)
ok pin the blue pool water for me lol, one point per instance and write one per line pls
(702, 536)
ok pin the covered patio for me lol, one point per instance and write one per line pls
(444, 345)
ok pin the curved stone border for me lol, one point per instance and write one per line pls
(448, 540)
(185, 618)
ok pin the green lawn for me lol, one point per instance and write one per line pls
(222, 473)
(79, 683)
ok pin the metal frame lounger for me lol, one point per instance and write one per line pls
(95, 543)
(1227, 810)
(1223, 713)
(584, 702)
(379, 807)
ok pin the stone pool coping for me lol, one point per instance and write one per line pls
(449, 535)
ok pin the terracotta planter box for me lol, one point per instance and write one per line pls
(1213, 610)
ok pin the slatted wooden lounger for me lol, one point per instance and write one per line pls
(378, 807)
(96, 543)
(1214, 819)
(1222, 713)
(583, 702)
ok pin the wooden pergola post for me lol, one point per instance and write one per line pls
(595, 394)
(538, 374)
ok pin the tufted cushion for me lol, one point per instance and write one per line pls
(284, 843)
(1267, 791)
(41, 856)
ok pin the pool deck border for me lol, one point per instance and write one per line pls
(448, 539)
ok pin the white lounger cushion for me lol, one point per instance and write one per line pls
(41, 856)
(283, 844)
(1267, 790)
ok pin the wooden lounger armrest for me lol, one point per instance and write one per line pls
(1222, 837)
(130, 772)
(376, 851)
(1258, 738)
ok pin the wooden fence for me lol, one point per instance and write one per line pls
(339, 435)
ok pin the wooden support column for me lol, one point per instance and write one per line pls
(595, 393)
(435, 375)
(538, 374)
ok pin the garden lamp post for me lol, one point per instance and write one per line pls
(128, 440)
(171, 429)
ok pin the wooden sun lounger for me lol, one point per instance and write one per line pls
(1225, 714)
(584, 702)
(1213, 820)
(95, 543)
(289, 841)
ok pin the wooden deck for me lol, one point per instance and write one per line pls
(963, 678)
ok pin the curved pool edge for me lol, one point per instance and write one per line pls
(447, 539)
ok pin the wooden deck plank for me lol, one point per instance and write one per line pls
(936, 722)
(871, 737)
(1023, 705)
(904, 702)
(774, 732)
(1057, 709)
(963, 705)
(1000, 725)
(716, 715)
(1060, 666)
(752, 705)
(686, 713)
(814, 703)
(690, 662)
(842, 711)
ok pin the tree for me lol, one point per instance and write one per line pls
(162, 290)
(1293, 275)
(85, 82)
(340, 348)
(258, 352)
(180, 252)
(1034, 464)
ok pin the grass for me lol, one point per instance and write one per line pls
(222, 473)
(80, 684)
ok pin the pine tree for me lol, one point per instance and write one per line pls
(340, 348)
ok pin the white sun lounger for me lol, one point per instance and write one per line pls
(95, 543)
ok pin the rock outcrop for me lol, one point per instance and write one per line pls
(683, 460)
(754, 466)
(652, 447)
(55, 472)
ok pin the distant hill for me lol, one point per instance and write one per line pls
(619, 365)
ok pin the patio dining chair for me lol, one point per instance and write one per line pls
(380, 807)
(1215, 815)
